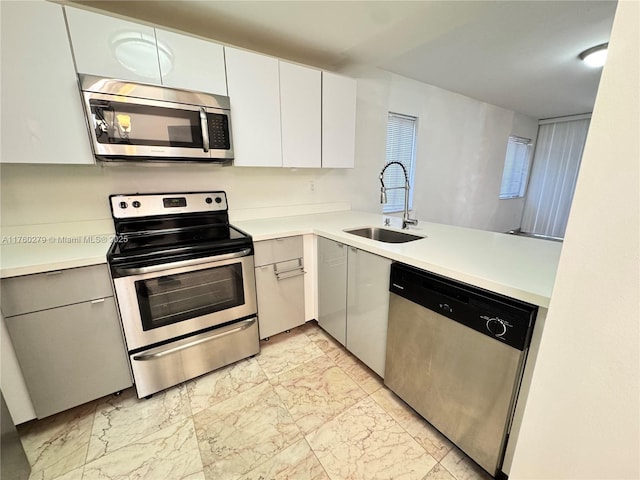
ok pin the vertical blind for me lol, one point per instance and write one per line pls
(401, 143)
(554, 174)
(516, 168)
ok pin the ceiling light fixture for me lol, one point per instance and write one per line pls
(595, 56)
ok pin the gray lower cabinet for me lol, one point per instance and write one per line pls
(68, 354)
(353, 300)
(279, 284)
(332, 288)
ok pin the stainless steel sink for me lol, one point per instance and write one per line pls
(383, 235)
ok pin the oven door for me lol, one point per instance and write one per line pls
(122, 127)
(162, 302)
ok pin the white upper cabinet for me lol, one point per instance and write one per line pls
(338, 121)
(42, 116)
(110, 47)
(195, 64)
(254, 91)
(300, 102)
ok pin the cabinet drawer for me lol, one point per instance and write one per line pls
(278, 250)
(31, 293)
(70, 355)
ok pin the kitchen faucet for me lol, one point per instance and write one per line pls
(406, 221)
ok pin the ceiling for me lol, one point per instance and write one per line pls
(520, 55)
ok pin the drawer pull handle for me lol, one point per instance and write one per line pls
(299, 271)
(297, 268)
(51, 274)
(99, 300)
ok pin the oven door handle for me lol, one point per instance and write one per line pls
(182, 263)
(159, 352)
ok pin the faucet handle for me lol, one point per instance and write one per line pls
(409, 221)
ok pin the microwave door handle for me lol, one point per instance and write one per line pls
(205, 129)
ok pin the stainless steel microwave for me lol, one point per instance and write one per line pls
(131, 121)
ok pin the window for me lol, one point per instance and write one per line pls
(401, 147)
(516, 168)
(554, 175)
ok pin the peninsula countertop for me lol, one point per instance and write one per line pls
(519, 267)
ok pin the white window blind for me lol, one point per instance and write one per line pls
(516, 168)
(401, 145)
(556, 164)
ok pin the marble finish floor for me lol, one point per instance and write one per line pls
(304, 408)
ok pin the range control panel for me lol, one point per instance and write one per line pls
(148, 205)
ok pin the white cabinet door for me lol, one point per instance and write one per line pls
(300, 101)
(280, 297)
(280, 285)
(368, 307)
(115, 48)
(254, 91)
(332, 288)
(42, 116)
(197, 64)
(338, 121)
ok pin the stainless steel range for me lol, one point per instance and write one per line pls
(185, 285)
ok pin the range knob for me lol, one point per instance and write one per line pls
(136, 204)
(123, 205)
(496, 326)
(218, 200)
(208, 200)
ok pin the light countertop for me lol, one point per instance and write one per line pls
(519, 267)
(29, 249)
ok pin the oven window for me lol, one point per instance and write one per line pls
(175, 298)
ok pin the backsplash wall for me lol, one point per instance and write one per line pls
(42, 194)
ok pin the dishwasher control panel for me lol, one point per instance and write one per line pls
(507, 320)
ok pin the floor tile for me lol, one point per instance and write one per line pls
(75, 474)
(224, 383)
(316, 392)
(426, 435)
(125, 419)
(285, 352)
(366, 378)
(195, 476)
(240, 434)
(58, 444)
(463, 468)
(439, 473)
(296, 462)
(365, 443)
(170, 453)
(320, 338)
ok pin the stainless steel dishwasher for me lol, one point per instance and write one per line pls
(456, 353)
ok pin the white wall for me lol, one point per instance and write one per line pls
(460, 148)
(582, 419)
